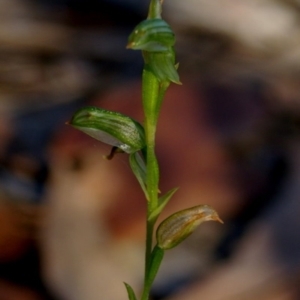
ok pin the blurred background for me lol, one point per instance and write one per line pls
(72, 223)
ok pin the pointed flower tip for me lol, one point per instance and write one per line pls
(218, 219)
(131, 44)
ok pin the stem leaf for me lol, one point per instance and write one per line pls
(130, 292)
(156, 259)
(138, 168)
(162, 202)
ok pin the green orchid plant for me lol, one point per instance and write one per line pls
(156, 40)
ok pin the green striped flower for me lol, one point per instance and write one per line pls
(110, 127)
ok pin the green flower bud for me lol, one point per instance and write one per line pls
(153, 35)
(156, 39)
(110, 127)
(180, 225)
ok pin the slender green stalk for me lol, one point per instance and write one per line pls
(150, 91)
(154, 9)
(150, 88)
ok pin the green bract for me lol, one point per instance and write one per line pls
(162, 65)
(110, 127)
(180, 225)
